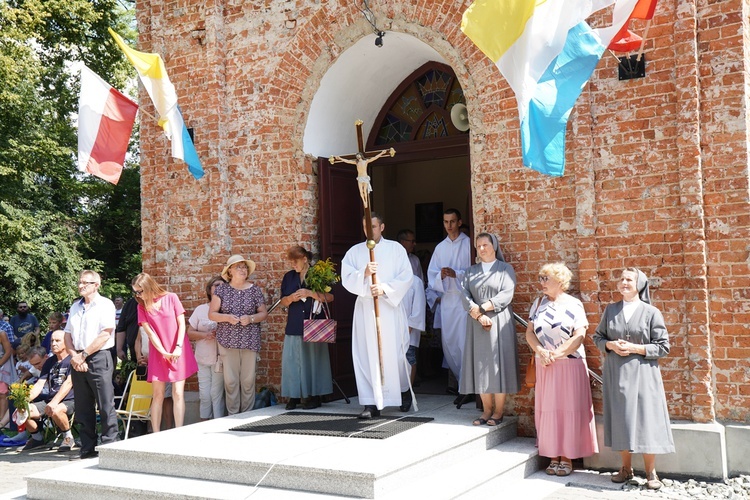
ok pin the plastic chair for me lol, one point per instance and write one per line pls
(138, 405)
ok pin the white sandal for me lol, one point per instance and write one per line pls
(551, 469)
(565, 468)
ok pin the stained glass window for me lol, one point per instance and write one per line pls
(420, 109)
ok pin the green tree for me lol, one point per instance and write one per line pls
(47, 207)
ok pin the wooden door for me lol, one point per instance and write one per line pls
(340, 229)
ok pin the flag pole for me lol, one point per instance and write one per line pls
(141, 110)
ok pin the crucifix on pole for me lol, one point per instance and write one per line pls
(362, 159)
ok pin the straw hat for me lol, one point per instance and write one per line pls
(234, 259)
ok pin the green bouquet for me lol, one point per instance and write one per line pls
(322, 276)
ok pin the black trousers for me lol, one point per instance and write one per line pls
(91, 388)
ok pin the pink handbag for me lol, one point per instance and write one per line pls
(320, 330)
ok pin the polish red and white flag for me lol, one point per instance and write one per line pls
(105, 122)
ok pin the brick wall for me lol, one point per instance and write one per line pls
(657, 173)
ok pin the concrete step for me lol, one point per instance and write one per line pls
(507, 462)
(579, 485)
(87, 481)
(185, 462)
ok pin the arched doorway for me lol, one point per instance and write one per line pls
(429, 172)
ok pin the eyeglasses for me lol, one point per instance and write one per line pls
(87, 283)
(137, 293)
(543, 279)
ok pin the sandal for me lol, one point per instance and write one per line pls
(492, 422)
(653, 482)
(565, 468)
(479, 421)
(551, 469)
(623, 475)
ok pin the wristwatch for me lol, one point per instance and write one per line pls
(84, 354)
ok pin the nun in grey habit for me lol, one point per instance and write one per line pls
(490, 358)
(633, 336)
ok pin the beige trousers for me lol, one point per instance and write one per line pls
(239, 378)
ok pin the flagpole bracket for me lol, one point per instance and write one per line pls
(631, 67)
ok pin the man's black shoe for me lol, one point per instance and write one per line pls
(84, 455)
(405, 401)
(369, 412)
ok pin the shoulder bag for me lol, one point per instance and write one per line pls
(320, 330)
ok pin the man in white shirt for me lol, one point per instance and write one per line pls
(89, 334)
(451, 259)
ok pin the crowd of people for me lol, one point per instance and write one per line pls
(72, 368)
(471, 304)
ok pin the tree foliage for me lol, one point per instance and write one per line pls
(54, 220)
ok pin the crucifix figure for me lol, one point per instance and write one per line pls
(362, 159)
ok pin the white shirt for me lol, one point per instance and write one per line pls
(86, 322)
(628, 308)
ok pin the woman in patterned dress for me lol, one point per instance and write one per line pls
(633, 337)
(563, 411)
(238, 307)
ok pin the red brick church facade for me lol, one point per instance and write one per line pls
(656, 177)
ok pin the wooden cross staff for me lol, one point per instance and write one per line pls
(362, 159)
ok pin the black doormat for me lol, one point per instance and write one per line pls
(333, 424)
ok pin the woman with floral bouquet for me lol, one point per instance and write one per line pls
(305, 366)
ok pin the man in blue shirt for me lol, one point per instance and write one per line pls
(24, 322)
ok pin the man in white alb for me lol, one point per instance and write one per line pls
(452, 257)
(394, 276)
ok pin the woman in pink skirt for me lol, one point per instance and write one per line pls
(170, 358)
(563, 411)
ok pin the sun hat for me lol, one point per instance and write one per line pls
(234, 259)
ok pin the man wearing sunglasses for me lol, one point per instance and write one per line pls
(89, 334)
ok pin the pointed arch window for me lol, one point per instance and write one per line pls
(419, 109)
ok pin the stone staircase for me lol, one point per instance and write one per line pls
(443, 459)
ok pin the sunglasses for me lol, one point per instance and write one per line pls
(137, 293)
(543, 279)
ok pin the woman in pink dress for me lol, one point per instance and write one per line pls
(170, 358)
(563, 412)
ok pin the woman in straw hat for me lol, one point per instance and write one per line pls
(238, 307)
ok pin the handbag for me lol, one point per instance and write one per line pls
(531, 372)
(320, 330)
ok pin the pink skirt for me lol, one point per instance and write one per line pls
(563, 411)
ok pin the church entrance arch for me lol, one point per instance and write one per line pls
(430, 169)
